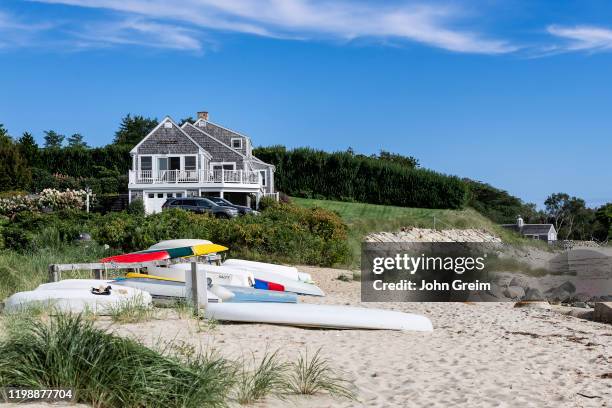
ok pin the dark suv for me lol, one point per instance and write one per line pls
(243, 210)
(200, 206)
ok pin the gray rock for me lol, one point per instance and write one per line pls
(568, 287)
(581, 313)
(581, 305)
(496, 292)
(606, 298)
(559, 295)
(514, 292)
(581, 297)
(519, 281)
(533, 294)
(603, 312)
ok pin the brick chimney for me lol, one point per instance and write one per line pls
(203, 115)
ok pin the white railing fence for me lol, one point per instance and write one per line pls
(193, 176)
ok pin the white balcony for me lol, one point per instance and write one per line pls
(198, 177)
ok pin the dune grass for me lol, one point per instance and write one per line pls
(106, 370)
(21, 272)
(363, 219)
(45, 351)
(132, 310)
(309, 376)
(257, 380)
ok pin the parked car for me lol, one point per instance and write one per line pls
(200, 206)
(242, 209)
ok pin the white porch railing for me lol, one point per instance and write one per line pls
(193, 176)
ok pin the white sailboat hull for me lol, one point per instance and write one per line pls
(75, 300)
(322, 316)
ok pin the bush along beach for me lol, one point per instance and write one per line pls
(106, 370)
(283, 232)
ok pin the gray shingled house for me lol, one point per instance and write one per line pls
(544, 232)
(195, 160)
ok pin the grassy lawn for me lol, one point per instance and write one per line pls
(363, 219)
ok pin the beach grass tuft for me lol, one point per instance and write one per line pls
(309, 376)
(131, 310)
(265, 378)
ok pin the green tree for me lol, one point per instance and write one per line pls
(14, 171)
(133, 129)
(188, 119)
(77, 141)
(570, 215)
(407, 161)
(604, 217)
(28, 148)
(53, 139)
(3, 132)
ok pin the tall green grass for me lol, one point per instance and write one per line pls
(106, 370)
(22, 272)
(131, 310)
(363, 219)
(52, 350)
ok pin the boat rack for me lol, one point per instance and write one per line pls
(101, 270)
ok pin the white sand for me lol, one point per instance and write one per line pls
(479, 355)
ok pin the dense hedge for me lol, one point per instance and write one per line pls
(106, 182)
(344, 176)
(83, 162)
(283, 232)
(499, 205)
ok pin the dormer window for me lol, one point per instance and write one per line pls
(237, 143)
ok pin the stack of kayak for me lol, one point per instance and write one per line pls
(237, 290)
(247, 281)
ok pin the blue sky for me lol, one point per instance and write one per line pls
(516, 94)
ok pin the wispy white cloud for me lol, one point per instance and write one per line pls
(583, 38)
(304, 19)
(136, 31)
(16, 32)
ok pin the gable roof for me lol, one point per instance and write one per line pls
(213, 138)
(220, 127)
(220, 152)
(531, 229)
(536, 229)
(167, 119)
(244, 157)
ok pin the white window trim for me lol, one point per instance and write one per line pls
(183, 160)
(264, 178)
(232, 142)
(140, 161)
(212, 164)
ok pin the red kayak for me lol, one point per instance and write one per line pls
(137, 257)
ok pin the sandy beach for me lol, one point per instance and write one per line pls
(479, 355)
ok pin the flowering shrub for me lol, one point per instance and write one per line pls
(62, 200)
(48, 198)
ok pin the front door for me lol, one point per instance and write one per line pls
(162, 168)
